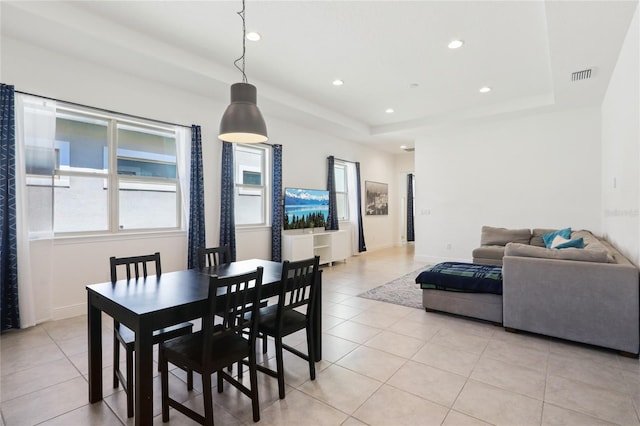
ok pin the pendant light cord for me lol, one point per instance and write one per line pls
(244, 38)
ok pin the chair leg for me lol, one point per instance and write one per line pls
(189, 379)
(130, 390)
(208, 399)
(311, 352)
(253, 379)
(264, 343)
(116, 359)
(219, 375)
(231, 321)
(280, 366)
(164, 380)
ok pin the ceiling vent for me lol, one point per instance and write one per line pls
(409, 149)
(581, 75)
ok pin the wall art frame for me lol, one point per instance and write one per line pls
(376, 198)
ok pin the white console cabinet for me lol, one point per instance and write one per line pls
(331, 246)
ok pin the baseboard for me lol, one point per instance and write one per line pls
(69, 311)
(436, 259)
(377, 247)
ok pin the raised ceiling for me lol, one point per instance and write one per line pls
(390, 54)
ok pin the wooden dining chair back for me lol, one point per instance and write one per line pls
(294, 311)
(137, 267)
(213, 256)
(217, 346)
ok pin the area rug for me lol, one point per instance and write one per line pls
(401, 291)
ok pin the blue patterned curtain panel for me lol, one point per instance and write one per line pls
(227, 213)
(8, 231)
(361, 244)
(197, 234)
(276, 205)
(410, 228)
(332, 220)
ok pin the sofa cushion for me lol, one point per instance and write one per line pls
(536, 236)
(561, 243)
(594, 243)
(525, 250)
(501, 236)
(590, 240)
(548, 238)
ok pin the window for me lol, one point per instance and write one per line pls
(342, 196)
(147, 177)
(251, 184)
(109, 174)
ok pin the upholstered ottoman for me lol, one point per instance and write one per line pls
(469, 289)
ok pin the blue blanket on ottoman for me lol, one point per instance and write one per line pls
(457, 276)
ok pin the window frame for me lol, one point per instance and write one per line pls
(343, 166)
(112, 180)
(242, 189)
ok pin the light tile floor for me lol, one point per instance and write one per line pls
(383, 365)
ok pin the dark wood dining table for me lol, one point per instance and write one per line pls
(147, 304)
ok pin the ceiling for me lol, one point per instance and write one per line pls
(390, 54)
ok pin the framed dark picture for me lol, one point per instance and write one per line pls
(377, 198)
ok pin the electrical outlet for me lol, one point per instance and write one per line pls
(448, 246)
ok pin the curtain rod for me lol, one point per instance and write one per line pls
(346, 161)
(102, 109)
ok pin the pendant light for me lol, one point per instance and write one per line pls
(242, 121)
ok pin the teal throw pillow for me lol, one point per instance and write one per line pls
(548, 238)
(577, 243)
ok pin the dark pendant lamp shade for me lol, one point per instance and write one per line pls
(242, 121)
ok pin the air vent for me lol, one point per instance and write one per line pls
(581, 75)
(409, 149)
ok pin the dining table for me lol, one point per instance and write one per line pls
(149, 303)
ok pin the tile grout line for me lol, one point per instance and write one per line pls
(88, 404)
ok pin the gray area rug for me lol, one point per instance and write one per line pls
(401, 291)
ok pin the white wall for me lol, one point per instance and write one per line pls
(304, 165)
(535, 171)
(80, 262)
(621, 150)
(544, 170)
(84, 261)
(304, 162)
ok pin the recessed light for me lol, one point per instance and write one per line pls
(485, 89)
(338, 82)
(253, 36)
(403, 147)
(455, 44)
(389, 111)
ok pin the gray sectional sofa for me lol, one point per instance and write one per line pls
(589, 295)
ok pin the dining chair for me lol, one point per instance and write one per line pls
(213, 256)
(216, 346)
(293, 312)
(136, 266)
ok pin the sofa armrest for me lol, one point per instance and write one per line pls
(490, 255)
(588, 302)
